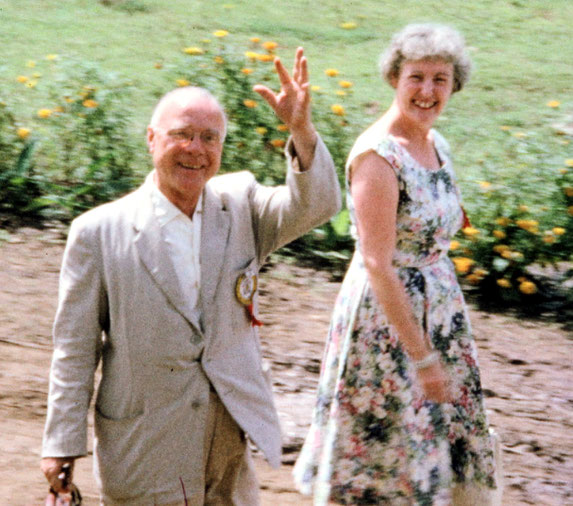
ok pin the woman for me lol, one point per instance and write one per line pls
(399, 417)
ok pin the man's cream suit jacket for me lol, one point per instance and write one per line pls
(120, 302)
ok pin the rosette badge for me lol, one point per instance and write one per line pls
(245, 290)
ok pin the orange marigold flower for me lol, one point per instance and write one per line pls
(219, 59)
(247, 71)
(44, 113)
(270, 45)
(252, 55)
(249, 103)
(261, 130)
(553, 103)
(558, 230)
(463, 264)
(454, 245)
(527, 287)
(338, 110)
(499, 234)
(348, 25)
(568, 191)
(470, 231)
(22, 79)
(474, 279)
(220, 33)
(158, 65)
(255, 39)
(265, 57)
(23, 133)
(90, 103)
(504, 283)
(182, 82)
(331, 72)
(345, 84)
(549, 239)
(278, 143)
(503, 221)
(523, 208)
(500, 248)
(282, 128)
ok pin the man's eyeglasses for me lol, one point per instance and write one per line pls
(186, 137)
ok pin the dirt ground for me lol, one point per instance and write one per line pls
(526, 370)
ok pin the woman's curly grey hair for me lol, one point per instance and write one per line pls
(427, 41)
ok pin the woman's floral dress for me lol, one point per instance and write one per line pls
(373, 438)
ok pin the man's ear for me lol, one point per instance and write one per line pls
(150, 138)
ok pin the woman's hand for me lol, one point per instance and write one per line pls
(436, 383)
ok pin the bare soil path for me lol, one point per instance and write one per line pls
(526, 370)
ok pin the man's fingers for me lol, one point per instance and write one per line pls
(304, 71)
(267, 95)
(284, 78)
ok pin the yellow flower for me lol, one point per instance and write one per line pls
(516, 255)
(69, 100)
(462, 264)
(90, 103)
(470, 231)
(219, 59)
(499, 234)
(182, 82)
(504, 283)
(44, 113)
(529, 225)
(261, 130)
(331, 72)
(220, 33)
(485, 185)
(158, 65)
(252, 55)
(282, 128)
(278, 143)
(569, 162)
(270, 45)
(255, 39)
(206, 41)
(527, 287)
(249, 103)
(503, 221)
(265, 57)
(22, 79)
(454, 245)
(553, 103)
(506, 254)
(315, 87)
(474, 279)
(558, 230)
(247, 71)
(480, 272)
(549, 239)
(30, 64)
(338, 109)
(31, 84)
(568, 191)
(348, 25)
(193, 50)
(500, 248)
(519, 135)
(523, 208)
(23, 133)
(505, 128)
(345, 84)
(51, 57)
(341, 93)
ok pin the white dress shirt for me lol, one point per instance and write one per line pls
(182, 236)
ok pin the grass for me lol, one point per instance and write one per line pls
(522, 52)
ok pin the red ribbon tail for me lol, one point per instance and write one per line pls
(466, 219)
(254, 321)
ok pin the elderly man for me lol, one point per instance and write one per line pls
(161, 285)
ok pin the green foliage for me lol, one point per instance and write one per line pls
(520, 245)
(20, 188)
(88, 149)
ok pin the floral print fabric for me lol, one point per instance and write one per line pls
(373, 438)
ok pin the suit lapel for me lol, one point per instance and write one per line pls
(214, 236)
(154, 255)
